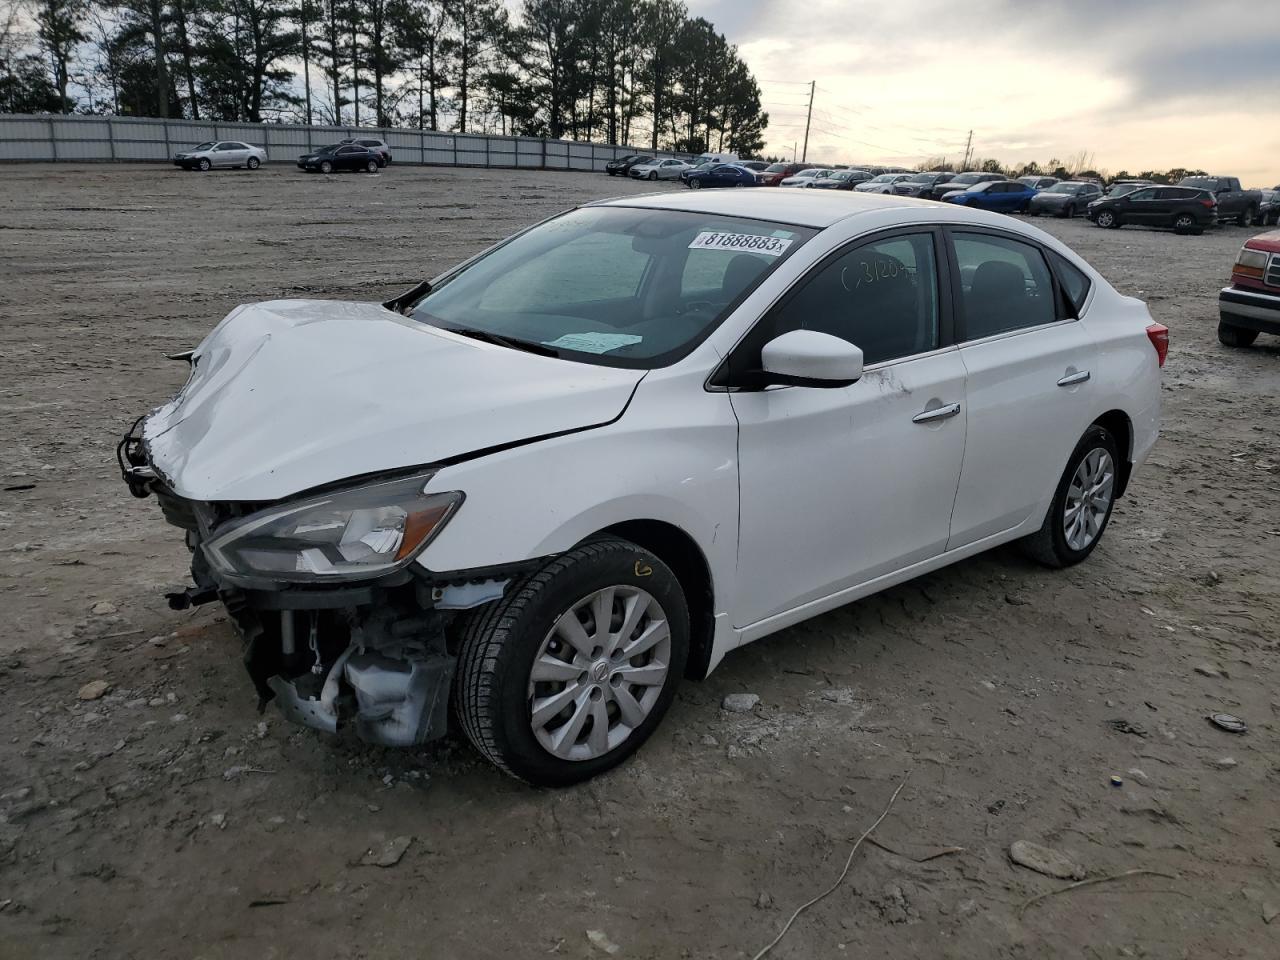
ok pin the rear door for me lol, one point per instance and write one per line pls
(1142, 206)
(1029, 365)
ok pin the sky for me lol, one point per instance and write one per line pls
(1138, 84)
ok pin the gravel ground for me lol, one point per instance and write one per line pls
(166, 819)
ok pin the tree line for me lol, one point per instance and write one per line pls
(615, 71)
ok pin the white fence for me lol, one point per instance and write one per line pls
(74, 138)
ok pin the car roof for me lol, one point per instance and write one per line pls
(805, 208)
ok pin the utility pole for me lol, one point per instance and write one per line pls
(813, 85)
(967, 144)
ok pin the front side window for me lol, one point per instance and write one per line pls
(1005, 284)
(881, 296)
(1147, 194)
(613, 285)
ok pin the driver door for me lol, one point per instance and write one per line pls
(840, 486)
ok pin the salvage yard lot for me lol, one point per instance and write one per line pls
(166, 819)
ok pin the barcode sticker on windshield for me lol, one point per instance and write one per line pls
(594, 342)
(746, 242)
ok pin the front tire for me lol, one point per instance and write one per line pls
(326, 167)
(1081, 505)
(1107, 219)
(204, 165)
(1247, 215)
(1233, 336)
(371, 166)
(1069, 212)
(254, 163)
(695, 184)
(548, 691)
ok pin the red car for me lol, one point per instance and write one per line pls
(775, 173)
(1251, 305)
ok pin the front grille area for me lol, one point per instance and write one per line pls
(1272, 275)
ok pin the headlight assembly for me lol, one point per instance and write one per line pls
(348, 534)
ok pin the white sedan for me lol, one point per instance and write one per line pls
(881, 184)
(805, 177)
(548, 485)
(660, 170)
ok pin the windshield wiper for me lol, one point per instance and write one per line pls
(513, 343)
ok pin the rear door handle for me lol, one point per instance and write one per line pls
(937, 413)
(1071, 379)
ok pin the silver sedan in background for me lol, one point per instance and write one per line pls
(221, 153)
(660, 170)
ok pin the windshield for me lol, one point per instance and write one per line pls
(776, 168)
(205, 146)
(612, 285)
(883, 178)
(922, 177)
(1120, 189)
(332, 148)
(1204, 183)
(1062, 188)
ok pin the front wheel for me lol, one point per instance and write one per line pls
(695, 184)
(571, 671)
(326, 167)
(653, 174)
(1230, 335)
(254, 163)
(1069, 212)
(205, 164)
(1247, 215)
(1107, 219)
(371, 166)
(1081, 505)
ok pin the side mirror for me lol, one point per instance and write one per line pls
(807, 358)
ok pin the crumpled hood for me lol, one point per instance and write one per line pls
(291, 394)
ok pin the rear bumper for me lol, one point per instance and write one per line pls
(1250, 309)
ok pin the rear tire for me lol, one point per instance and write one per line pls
(1230, 335)
(1247, 215)
(497, 697)
(1096, 460)
(1184, 223)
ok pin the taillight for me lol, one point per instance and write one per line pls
(1208, 203)
(1158, 334)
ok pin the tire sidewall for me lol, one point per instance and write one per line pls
(1093, 438)
(254, 163)
(204, 165)
(1106, 219)
(521, 750)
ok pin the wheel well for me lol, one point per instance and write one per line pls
(1116, 422)
(678, 551)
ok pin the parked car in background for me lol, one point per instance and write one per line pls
(1065, 199)
(882, 183)
(422, 510)
(802, 178)
(721, 175)
(921, 184)
(775, 173)
(1251, 304)
(1118, 188)
(622, 165)
(962, 181)
(380, 147)
(840, 180)
(340, 156)
(1039, 183)
(1234, 202)
(221, 153)
(1001, 196)
(1184, 209)
(659, 170)
(755, 166)
(1269, 209)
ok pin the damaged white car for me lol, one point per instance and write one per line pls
(542, 488)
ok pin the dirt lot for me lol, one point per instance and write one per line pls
(167, 819)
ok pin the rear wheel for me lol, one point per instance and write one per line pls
(1247, 215)
(1230, 335)
(1106, 218)
(571, 671)
(1081, 505)
(1184, 223)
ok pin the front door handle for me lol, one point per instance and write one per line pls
(1071, 379)
(944, 412)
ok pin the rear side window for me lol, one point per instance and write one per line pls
(1073, 282)
(1006, 285)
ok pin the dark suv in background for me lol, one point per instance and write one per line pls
(1064, 199)
(920, 184)
(960, 181)
(1185, 209)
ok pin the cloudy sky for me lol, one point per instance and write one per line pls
(1140, 84)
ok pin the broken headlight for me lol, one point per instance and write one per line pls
(347, 534)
